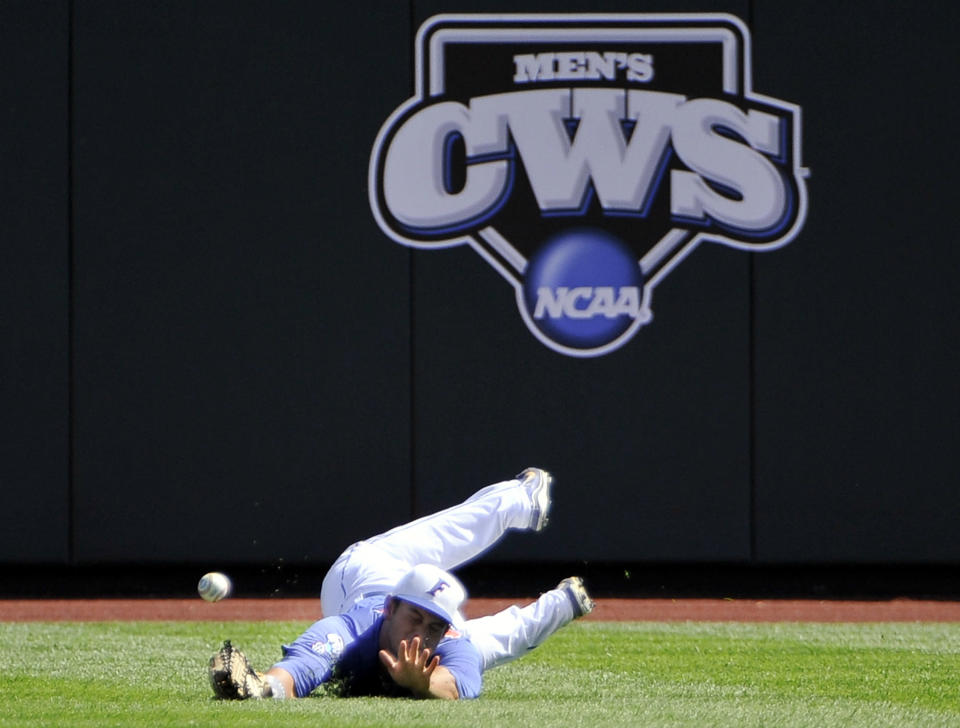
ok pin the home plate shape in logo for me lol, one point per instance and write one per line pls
(586, 156)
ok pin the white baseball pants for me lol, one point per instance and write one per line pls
(449, 539)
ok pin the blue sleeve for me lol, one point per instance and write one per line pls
(462, 659)
(311, 659)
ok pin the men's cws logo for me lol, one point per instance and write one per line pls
(585, 156)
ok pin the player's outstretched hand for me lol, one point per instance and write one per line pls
(412, 667)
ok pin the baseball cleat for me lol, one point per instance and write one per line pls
(232, 678)
(538, 483)
(582, 603)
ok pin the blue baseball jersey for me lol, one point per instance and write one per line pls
(343, 651)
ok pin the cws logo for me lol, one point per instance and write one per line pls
(585, 156)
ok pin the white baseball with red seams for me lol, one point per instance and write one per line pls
(214, 586)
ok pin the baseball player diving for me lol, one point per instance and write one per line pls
(394, 626)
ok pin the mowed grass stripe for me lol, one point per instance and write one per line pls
(153, 675)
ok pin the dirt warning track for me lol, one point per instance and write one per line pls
(654, 610)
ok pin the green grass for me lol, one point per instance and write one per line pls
(153, 675)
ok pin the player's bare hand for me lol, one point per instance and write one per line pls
(411, 667)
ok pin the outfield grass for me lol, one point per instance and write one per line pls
(153, 675)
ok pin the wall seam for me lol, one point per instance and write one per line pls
(752, 371)
(71, 291)
(411, 273)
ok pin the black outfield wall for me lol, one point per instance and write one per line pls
(203, 325)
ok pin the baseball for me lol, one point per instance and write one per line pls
(214, 586)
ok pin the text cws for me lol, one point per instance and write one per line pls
(615, 141)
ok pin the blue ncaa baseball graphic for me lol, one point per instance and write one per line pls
(583, 289)
(585, 157)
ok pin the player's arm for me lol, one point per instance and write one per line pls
(414, 669)
(443, 684)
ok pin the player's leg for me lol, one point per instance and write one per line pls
(515, 631)
(446, 539)
(452, 537)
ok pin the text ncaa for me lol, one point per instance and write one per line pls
(585, 156)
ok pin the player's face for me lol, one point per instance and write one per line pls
(404, 621)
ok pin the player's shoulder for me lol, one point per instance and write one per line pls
(455, 641)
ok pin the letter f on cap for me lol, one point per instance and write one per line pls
(438, 587)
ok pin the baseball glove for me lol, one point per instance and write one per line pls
(232, 677)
